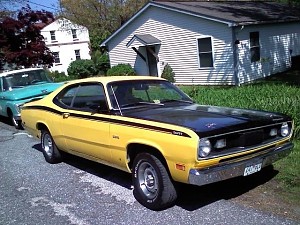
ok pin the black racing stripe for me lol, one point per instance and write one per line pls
(115, 121)
(44, 108)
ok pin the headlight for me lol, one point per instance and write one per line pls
(204, 147)
(284, 131)
(19, 107)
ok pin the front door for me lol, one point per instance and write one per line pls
(84, 129)
(152, 61)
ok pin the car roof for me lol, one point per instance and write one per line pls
(108, 79)
(18, 71)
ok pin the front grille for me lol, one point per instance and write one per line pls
(246, 139)
(242, 140)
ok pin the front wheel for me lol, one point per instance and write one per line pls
(153, 187)
(49, 148)
(16, 123)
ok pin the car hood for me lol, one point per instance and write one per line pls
(209, 120)
(30, 91)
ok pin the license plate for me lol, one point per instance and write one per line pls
(252, 169)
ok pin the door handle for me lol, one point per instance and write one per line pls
(66, 115)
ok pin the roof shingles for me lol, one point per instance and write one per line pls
(237, 12)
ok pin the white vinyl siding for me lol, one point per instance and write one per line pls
(178, 34)
(278, 43)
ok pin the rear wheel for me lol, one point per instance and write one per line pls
(49, 148)
(153, 187)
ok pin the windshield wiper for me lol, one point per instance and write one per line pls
(177, 100)
(141, 103)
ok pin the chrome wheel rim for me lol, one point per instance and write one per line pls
(48, 144)
(147, 178)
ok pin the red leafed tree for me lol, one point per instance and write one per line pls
(21, 42)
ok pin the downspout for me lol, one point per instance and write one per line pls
(235, 43)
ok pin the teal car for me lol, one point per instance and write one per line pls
(20, 86)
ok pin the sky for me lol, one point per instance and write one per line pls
(48, 5)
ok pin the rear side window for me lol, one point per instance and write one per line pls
(87, 97)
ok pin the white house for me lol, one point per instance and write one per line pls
(67, 41)
(208, 43)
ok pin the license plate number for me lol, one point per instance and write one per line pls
(252, 169)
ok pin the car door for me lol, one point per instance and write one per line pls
(84, 123)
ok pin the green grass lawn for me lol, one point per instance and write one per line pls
(288, 176)
(280, 93)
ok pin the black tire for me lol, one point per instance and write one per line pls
(49, 148)
(153, 187)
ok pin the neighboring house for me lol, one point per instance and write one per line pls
(67, 41)
(207, 42)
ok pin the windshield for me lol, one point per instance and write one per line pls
(144, 92)
(25, 78)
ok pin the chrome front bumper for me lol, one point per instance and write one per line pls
(224, 172)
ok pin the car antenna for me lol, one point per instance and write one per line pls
(116, 100)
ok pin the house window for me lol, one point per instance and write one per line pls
(205, 52)
(74, 34)
(52, 34)
(56, 57)
(254, 46)
(77, 54)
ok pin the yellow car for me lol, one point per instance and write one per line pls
(148, 127)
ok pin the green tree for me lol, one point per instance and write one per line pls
(82, 68)
(21, 42)
(121, 70)
(168, 73)
(101, 61)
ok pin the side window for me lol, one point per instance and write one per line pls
(52, 35)
(56, 57)
(205, 52)
(254, 46)
(89, 97)
(74, 33)
(66, 97)
(77, 54)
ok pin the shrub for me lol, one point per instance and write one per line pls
(168, 73)
(82, 68)
(59, 76)
(121, 70)
(101, 61)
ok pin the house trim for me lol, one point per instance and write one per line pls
(68, 43)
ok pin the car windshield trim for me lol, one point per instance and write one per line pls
(140, 104)
(176, 100)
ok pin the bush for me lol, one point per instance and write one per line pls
(168, 73)
(59, 76)
(101, 61)
(121, 70)
(82, 68)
